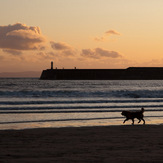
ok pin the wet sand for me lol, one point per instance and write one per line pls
(110, 144)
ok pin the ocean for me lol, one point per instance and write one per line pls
(33, 103)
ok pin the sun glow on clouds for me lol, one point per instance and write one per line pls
(21, 37)
(63, 48)
(99, 53)
(18, 39)
(60, 46)
(106, 34)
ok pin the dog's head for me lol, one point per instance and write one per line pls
(124, 113)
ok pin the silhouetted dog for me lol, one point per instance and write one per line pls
(134, 114)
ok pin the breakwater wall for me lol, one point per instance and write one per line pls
(131, 73)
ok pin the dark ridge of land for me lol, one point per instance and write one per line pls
(25, 74)
(131, 73)
(113, 144)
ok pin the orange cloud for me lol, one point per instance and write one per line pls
(21, 37)
(13, 52)
(99, 53)
(106, 34)
(112, 32)
(63, 48)
(60, 46)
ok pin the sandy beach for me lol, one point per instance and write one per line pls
(128, 144)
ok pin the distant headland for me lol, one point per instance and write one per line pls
(131, 73)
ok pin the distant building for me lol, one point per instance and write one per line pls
(51, 65)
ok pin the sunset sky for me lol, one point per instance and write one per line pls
(80, 33)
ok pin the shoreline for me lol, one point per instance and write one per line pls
(123, 143)
(69, 127)
(73, 123)
(57, 125)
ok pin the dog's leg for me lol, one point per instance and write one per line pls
(143, 121)
(125, 120)
(132, 121)
(139, 120)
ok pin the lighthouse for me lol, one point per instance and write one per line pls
(51, 65)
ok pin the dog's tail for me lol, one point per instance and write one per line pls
(142, 110)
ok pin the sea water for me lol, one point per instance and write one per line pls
(34, 103)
